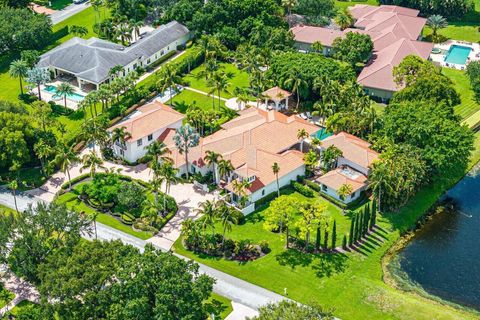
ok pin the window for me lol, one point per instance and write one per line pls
(352, 195)
(324, 187)
(161, 53)
(263, 192)
(251, 179)
(122, 153)
(139, 142)
(150, 137)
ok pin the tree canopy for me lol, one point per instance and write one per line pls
(22, 29)
(354, 48)
(446, 8)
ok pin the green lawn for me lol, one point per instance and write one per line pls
(239, 79)
(351, 284)
(187, 98)
(220, 306)
(344, 4)
(468, 105)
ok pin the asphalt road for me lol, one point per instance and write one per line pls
(68, 11)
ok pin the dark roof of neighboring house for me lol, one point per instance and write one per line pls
(92, 59)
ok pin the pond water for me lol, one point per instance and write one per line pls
(444, 256)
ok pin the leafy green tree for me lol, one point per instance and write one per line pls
(94, 131)
(412, 68)
(344, 242)
(186, 138)
(325, 237)
(130, 197)
(17, 138)
(289, 4)
(31, 57)
(22, 29)
(317, 47)
(318, 239)
(313, 214)
(281, 215)
(436, 22)
(330, 157)
(40, 231)
(290, 310)
(43, 151)
(19, 69)
(158, 151)
(353, 48)
(444, 143)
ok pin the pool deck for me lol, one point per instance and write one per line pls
(50, 96)
(439, 58)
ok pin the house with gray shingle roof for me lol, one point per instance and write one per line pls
(90, 60)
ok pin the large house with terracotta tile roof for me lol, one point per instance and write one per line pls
(353, 167)
(252, 142)
(395, 32)
(151, 122)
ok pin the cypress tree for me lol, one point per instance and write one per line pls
(334, 235)
(351, 235)
(357, 222)
(359, 226)
(317, 240)
(344, 242)
(325, 238)
(366, 222)
(374, 214)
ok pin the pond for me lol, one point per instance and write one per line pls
(444, 256)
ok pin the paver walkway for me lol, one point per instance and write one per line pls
(22, 290)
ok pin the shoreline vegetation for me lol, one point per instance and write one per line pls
(395, 277)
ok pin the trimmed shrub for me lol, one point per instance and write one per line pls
(313, 185)
(240, 218)
(304, 190)
(127, 218)
(264, 246)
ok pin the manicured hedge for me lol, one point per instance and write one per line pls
(75, 181)
(300, 188)
(313, 185)
(127, 218)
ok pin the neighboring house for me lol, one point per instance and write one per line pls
(151, 122)
(395, 32)
(352, 168)
(253, 142)
(90, 61)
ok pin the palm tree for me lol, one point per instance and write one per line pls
(316, 142)
(104, 94)
(80, 31)
(344, 191)
(65, 158)
(219, 83)
(344, 19)
(276, 170)
(38, 76)
(240, 189)
(301, 135)
(136, 25)
(380, 181)
(169, 79)
(65, 89)
(228, 218)
(158, 150)
(289, 4)
(225, 167)
(94, 131)
(92, 162)
(93, 216)
(209, 213)
(116, 70)
(13, 185)
(124, 31)
(185, 138)
(191, 229)
(436, 22)
(295, 81)
(212, 158)
(120, 135)
(43, 151)
(330, 157)
(19, 68)
(167, 174)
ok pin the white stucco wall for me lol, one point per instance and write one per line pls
(332, 193)
(282, 181)
(133, 152)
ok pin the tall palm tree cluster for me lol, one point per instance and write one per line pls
(118, 27)
(345, 106)
(204, 121)
(222, 168)
(108, 93)
(254, 61)
(211, 212)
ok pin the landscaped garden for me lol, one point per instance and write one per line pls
(351, 284)
(123, 204)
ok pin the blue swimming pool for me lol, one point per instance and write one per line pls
(322, 134)
(457, 54)
(74, 96)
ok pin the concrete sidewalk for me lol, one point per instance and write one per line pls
(67, 12)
